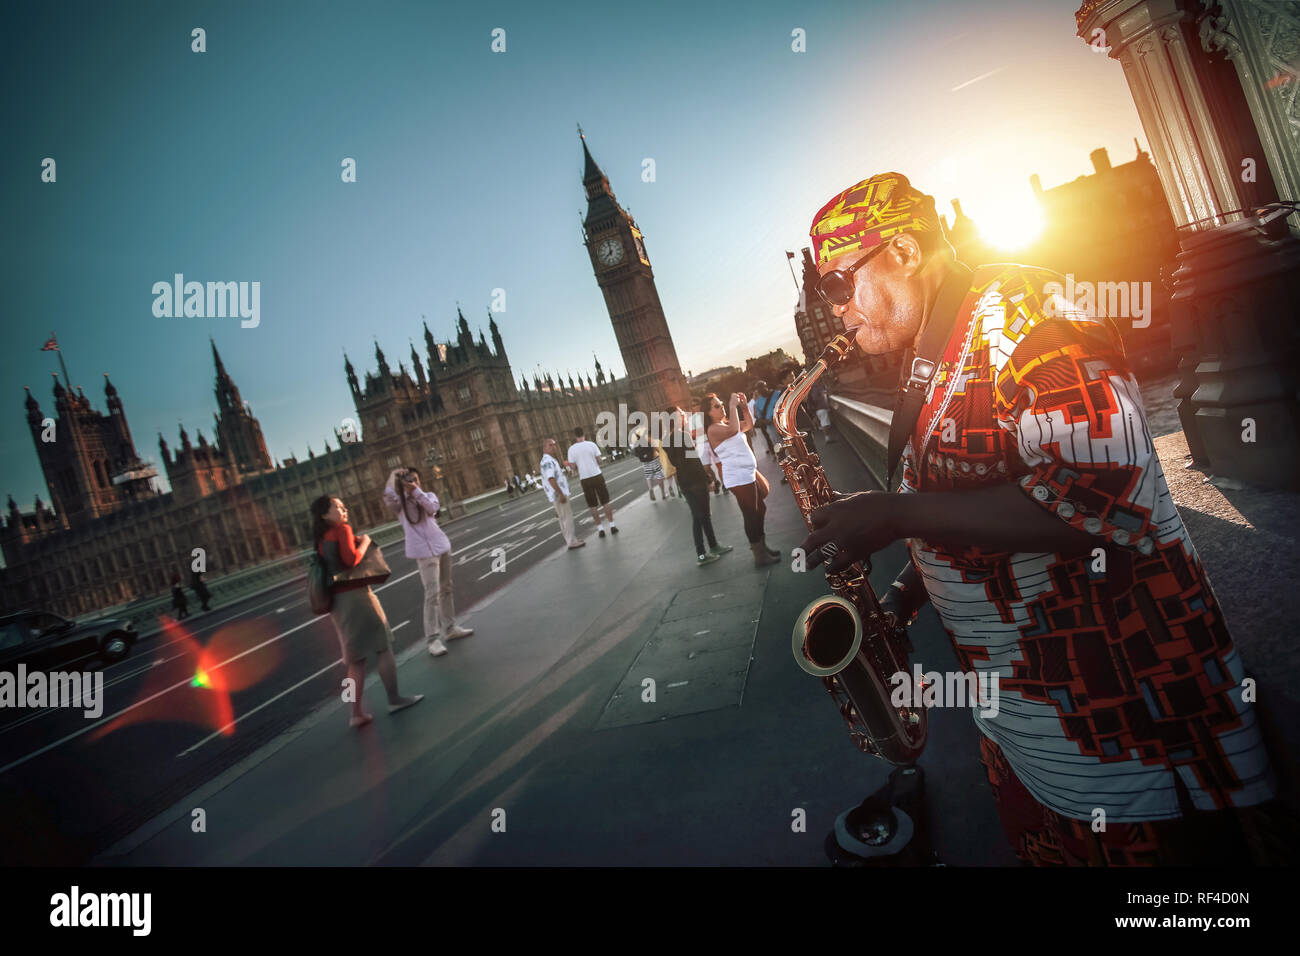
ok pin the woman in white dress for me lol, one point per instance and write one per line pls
(699, 424)
(740, 474)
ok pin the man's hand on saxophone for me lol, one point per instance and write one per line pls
(906, 596)
(857, 525)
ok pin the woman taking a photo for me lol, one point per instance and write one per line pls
(427, 544)
(358, 617)
(740, 471)
(694, 480)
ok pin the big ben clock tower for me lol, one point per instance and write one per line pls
(623, 271)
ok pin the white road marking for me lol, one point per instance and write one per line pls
(218, 733)
(521, 554)
(183, 683)
(698, 633)
(214, 735)
(544, 540)
(214, 624)
(466, 547)
(680, 683)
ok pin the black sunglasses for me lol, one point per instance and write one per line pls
(836, 286)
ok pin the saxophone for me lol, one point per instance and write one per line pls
(846, 639)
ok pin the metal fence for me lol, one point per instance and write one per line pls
(866, 429)
(143, 613)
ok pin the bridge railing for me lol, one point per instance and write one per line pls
(866, 428)
(234, 586)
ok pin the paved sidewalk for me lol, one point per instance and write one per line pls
(537, 724)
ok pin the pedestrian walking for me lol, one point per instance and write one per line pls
(199, 588)
(358, 616)
(651, 467)
(665, 463)
(586, 456)
(694, 479)
(427, 544)
(181, 605)
(764, 404)
(556, 485)
(819, 402)
(739, 469)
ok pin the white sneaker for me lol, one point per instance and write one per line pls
(437, 648)
(457, 631)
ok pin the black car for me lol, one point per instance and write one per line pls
(41, 639)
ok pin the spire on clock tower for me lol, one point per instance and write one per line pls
(600, 196)
(622, 267)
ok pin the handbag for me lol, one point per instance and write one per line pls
(372, 569)
(319, 598)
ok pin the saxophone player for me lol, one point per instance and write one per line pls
(1040, 526)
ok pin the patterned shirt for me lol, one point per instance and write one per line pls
(550, 468)
(1117, 674)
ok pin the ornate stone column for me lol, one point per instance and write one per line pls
(1261, 38)
(1215, 85)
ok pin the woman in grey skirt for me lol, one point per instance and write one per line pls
(358, 617)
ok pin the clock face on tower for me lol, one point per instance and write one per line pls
(610, 252)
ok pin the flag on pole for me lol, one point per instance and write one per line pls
(51, 345)
(789, 255)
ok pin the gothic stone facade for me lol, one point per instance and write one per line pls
(458, 416)
(464, 402)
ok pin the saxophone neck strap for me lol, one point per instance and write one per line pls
(920, 364)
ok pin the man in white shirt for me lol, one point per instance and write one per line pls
(556, 485)
(586, 455)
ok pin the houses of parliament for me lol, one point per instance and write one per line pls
(109, 536)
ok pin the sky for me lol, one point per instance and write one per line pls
(225, 166)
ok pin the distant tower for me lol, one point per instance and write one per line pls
(239, 434)
(195, 471)
(90, 464)
(622, 267)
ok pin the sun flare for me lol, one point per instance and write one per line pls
(1010, 220)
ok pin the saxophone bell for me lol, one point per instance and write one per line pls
(827, 636)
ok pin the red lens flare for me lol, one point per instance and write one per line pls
(191, 683)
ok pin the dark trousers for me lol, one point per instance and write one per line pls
(752, 508)
(767, 437)
(697, 497)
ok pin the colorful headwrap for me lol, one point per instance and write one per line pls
(867, 214)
